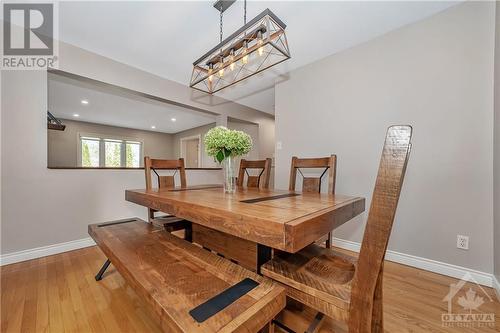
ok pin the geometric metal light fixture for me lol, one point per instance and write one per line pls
(255, 47)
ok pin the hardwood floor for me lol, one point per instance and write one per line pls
(59, 294)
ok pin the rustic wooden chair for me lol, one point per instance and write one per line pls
(259, 181)
(313, 184)
(167, 221)
(336, 284)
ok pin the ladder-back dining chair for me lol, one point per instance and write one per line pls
(313, 184)
(341, 286)
(259, 181)
(167, 221)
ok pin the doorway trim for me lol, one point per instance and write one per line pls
(183, 153)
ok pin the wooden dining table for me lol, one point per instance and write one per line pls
(268, 219)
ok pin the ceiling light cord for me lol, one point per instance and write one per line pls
(221, 13)
(244, 12)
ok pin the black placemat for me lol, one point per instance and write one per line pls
(219, 302)
(274, 197)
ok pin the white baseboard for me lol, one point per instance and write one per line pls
(11, 258)
(496, 286)
(458, 272)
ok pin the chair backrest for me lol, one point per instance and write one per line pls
(260, 181)
(313, 184)
(383, 206)
(151, 165)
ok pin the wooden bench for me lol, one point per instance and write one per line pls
(182, 281)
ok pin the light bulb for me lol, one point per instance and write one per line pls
(210, 70)
(231, 60)
(244, 60)
(260, 50)
(221, 72)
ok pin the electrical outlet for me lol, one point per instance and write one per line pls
(463, 242)
(279, 145)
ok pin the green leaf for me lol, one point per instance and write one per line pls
(227, 153)
(220, 156)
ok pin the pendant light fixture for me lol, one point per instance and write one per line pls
(255, 47)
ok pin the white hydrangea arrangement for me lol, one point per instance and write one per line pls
(221, 142)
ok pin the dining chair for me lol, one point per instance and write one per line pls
(313, 184)
(169, 222)
(336, 284)
(259, 181)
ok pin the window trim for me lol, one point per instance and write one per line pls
(102, 157)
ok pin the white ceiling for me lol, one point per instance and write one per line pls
(164, 38)
(116, 108)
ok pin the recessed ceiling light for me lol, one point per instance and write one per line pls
(173, 119)
(76, 115)
(153, 126)
(85, 102)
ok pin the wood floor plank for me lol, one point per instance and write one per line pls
(100, 296)
(88, 301)
(59, 294)
(28, 323)
(8, 289)
(71, 324)
(15, 304)
(55, 311)
(42, 309)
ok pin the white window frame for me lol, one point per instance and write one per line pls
(102, 154)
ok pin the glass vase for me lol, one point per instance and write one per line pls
(228, 165)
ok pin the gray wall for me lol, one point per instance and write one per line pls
(63, 145)
(44, 207)
(496, 166)
(436, 75)
(207, 161)
(253, 131)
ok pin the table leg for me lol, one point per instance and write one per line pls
(263, 255)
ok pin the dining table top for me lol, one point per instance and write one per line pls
(284, 220)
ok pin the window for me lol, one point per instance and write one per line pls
(133, 154)
(100, 151)
(90, 152)
(112, 153)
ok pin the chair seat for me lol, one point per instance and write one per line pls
(323, 273)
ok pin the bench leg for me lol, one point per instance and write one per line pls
(188, 233)
(264, 254)
(328, 243)
(103, 269)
